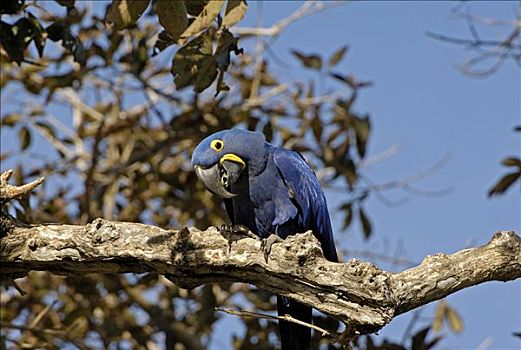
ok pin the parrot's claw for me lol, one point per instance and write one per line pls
(234, 233)
(267, 243)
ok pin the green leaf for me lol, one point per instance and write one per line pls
(310, 61)
(366, 224)
(235, 12)
(172, 16)
(123, 13)
(337, 56)
(24, 136)
(204, 19)
(502, 185)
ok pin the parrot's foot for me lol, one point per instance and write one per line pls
(234, 233)
(267, 243)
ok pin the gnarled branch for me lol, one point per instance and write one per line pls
(356, 292)
(9, 192)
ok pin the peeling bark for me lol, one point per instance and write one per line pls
(355, 292)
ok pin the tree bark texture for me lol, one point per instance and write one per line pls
(358, 293)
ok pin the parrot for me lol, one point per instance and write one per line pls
(273, 192)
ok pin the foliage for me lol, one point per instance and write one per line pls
(419, 342)
(446, 314)
(181, 22)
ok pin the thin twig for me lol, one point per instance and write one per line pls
(490, 53)
(259, 56)
(259, 101)
(307, 9)
(286, 318)
(42, 314)
(405, 183)
(377, 158)
(72, 98)
(467, 42)
(52, 332)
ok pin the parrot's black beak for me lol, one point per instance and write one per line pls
(219, 178)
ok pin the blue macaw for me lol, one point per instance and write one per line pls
(270, 190)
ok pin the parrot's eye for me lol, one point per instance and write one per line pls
(217, 145)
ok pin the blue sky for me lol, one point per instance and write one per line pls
(423, 105)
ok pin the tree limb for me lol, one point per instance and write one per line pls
(356, 292)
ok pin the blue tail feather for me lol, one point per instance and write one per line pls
(292, 335)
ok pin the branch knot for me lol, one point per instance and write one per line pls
(101, 231)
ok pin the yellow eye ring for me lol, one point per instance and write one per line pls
(217, 145)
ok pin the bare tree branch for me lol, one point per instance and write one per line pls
(308, 8)
(60, 333)
(357, 293)
(490, 54)
(9, 192)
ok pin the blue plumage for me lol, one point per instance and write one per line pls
(276, 193)
(309, 198)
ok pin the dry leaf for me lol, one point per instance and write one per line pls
(235, 11)
(123, 13)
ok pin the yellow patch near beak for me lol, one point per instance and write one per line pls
(233, 158)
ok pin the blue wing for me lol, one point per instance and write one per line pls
(307, 196)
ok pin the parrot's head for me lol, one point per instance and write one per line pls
(221, 158)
